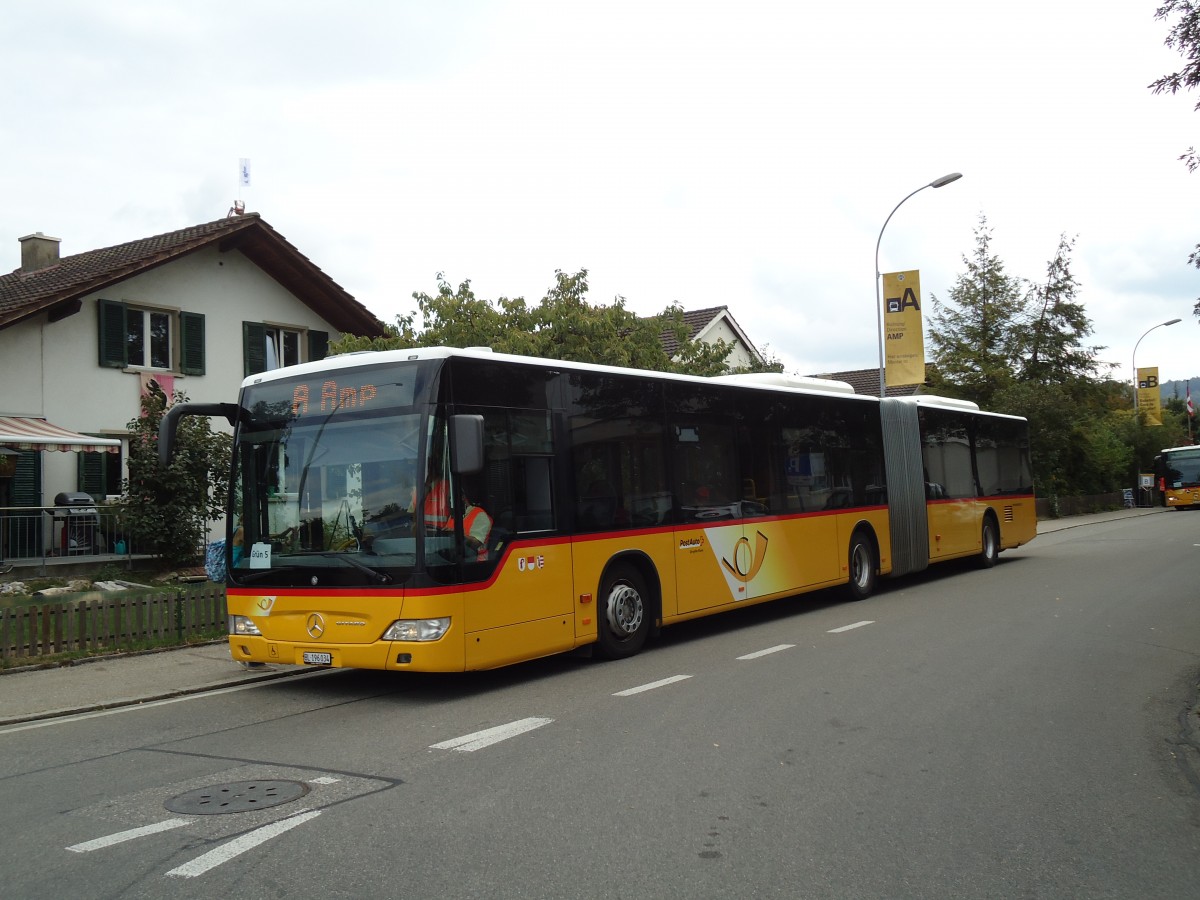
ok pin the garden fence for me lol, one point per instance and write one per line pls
(118, 622)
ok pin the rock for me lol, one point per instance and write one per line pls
(55, 591)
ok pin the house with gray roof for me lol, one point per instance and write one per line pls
(866, 381)
(713, 324)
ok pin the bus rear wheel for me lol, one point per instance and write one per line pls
(624, 614)
(990, 547)
(863, 567)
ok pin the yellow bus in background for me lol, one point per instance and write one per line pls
(1177, 470)
(619, 501)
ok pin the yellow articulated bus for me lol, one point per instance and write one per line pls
(448, 510)
(1178, 473)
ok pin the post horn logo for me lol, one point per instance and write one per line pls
(746, 563)
(315, 625)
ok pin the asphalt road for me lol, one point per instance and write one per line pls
(1028, 731)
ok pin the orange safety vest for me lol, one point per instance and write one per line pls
(474, 513)
(437, 506)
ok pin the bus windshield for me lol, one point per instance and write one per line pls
(325, 477)
(1182, 468)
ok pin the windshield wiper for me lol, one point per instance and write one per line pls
(377, 575)
(260, 574)
(381, 577)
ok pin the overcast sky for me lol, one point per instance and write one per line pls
(743, 154)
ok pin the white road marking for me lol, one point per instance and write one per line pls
(848, 627)
(651, 686)
(757, 653)
(122, 836)
(325, 779)
(469, 743)
(238, 846)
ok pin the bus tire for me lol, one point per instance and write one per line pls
(863, 566)
(990, 543)
(624, 614)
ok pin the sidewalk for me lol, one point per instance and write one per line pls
(111, 681)
(1046, 526)
(104, 682)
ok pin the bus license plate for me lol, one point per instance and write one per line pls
(317, 659)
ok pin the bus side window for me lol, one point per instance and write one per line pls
(517, 488)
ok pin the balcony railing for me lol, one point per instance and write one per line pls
(51, 535)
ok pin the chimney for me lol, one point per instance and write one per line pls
(38, 252)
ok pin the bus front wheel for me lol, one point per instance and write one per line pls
(863, 567)
(624, 614)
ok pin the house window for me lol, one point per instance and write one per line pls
(138, 337)
(149, 338)
(267, 347)
(282, 347)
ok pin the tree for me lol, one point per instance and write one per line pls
(562, 325)
(1014, 346)
(1184, 37)
(976, 337)
(1053, 350)
(168, 509)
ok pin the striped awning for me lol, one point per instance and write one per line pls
(23, 433)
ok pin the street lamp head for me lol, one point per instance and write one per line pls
(1173, 322)
(945, 180)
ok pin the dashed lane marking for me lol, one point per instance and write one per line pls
(651, 686)
(848, 627)
(757, 653)
(469, 743)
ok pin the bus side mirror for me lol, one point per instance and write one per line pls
(169, 423)
(467, 436)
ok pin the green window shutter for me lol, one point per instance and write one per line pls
(113, 334)
(23, 532)
(254, 347)
(191, 343)
(91, 473)
(26, 488)
(318, 345)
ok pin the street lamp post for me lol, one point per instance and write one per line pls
(1135, 346)
(940, 182)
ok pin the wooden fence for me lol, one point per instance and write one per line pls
(113, 623)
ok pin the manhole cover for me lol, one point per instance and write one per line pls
(238, 796)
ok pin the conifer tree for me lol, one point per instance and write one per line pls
(977, 335)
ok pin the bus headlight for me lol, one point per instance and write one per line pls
(243, 625)
(416, 629)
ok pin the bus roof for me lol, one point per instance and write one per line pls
(763, 381)
(776, 381)
(943, 402)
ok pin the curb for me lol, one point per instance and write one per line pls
(152, 698)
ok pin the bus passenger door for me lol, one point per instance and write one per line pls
(518, 600)
(950, 488)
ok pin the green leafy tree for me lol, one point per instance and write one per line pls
(1184, 37)
(562, 325)
(167, 509)
(977, 335)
